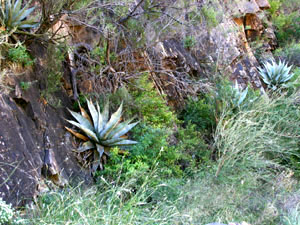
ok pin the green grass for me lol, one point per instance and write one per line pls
(254, 181)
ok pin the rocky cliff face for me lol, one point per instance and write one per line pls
(224, 48)
(34, 145)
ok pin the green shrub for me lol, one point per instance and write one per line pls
(193, 152)
(210, 15)
(286, 19)
(6, 213)
(189, 42)
(149, 105)
(289, 53)
(20, 55)
(151, 151)
(200, 113)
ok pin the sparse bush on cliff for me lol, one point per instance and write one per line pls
(20, 55)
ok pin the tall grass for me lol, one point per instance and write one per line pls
(106, 203)
(253, 184)
(259, 139)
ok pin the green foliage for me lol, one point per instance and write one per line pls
(292, 217)
(189, 42)
(285, 16)
(275, 75)
(260, 137)
(53, 74)
(200, 113)
(193, 151)
(151, 151)
(149, 105)
(14, 18)
(289, 53)
(6, 213)
(20, 55)
(210, 15)
(25, 85)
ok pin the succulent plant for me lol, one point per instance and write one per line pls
(275, 75)
(12, 16)
(238, 95)
(99, 132)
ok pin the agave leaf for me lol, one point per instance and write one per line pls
(100, 120)
(23, 11)
(243, 96)
(88, 132)
(119, 127)
(105, 112)
(84, 113)
(94, 113)
(114, 119)
(125, 129)
(82, 120)
(111, 141)
(288, 78)
(125, 142)
(100, 149)
(86, 146)
(27, 24)
(9, 15)
(96, 163)
(78, 135)
(25, 14)
(17, 6)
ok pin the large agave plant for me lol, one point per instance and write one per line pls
(13, 16)
(100, 131)
(276, 75)
(238, 95)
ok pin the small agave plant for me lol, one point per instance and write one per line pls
(14, 17)
(99, 131)
(238, 95)
(276, 75)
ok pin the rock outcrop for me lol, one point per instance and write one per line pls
(224, 48)
(30, 129)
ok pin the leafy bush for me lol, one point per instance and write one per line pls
(286, 19)
(6, 213)
(189, 42)
(289, 53)
(20, 55)
(276, 75)
(152, 149)
(149, 105)
(200, 113)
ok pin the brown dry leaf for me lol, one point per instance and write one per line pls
(78, 135)
(85, 114)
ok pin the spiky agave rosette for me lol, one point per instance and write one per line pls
(99, 132)
(275, 75)
(12, 16)
(238, 95)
